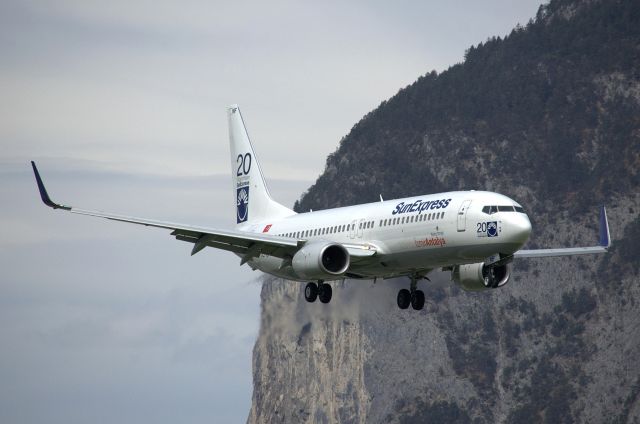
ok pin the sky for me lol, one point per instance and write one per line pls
(122, 105)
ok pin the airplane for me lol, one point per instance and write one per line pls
(473, 234)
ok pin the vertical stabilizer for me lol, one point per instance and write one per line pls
(253, 202)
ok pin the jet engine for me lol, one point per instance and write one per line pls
(320, 260)
(480, 277)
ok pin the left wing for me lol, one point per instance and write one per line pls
(246, 244)
(603, 247)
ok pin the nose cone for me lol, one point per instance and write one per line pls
(520, 228)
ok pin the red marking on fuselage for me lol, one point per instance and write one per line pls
(267, 228)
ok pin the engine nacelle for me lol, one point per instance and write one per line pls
(480, 277)
(320, 260)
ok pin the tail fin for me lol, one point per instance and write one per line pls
(253, 202)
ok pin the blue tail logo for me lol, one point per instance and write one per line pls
(242, 204)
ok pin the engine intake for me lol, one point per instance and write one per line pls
(320, 260)
(481, 277)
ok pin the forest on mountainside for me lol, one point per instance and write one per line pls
(550, 116)
(554, 102)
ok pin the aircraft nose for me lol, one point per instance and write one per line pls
(520, 228)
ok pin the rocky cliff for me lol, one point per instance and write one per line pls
(550, 116)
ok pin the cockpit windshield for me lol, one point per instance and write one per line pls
(489, 210)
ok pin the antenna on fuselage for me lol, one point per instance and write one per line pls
(381, 199)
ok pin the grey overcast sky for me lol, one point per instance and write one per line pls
(123, 106)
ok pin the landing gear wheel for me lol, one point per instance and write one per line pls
(311, 292)
(324, 293)
(404, 299)
(417, 300)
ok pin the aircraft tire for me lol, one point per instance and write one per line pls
(417, 300)
(404, 299)
(324, 293)
(311, 292)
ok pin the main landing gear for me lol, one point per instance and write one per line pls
(321, 290)
(412, 297)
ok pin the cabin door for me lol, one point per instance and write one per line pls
(462, 215)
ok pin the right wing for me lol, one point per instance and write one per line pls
(246, 244)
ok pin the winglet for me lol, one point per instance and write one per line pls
(605, 238)
(43, 191)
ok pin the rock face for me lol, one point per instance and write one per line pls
(550, 116)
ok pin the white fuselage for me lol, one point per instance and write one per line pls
(410, 235)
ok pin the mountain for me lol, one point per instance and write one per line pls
(549, 115)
